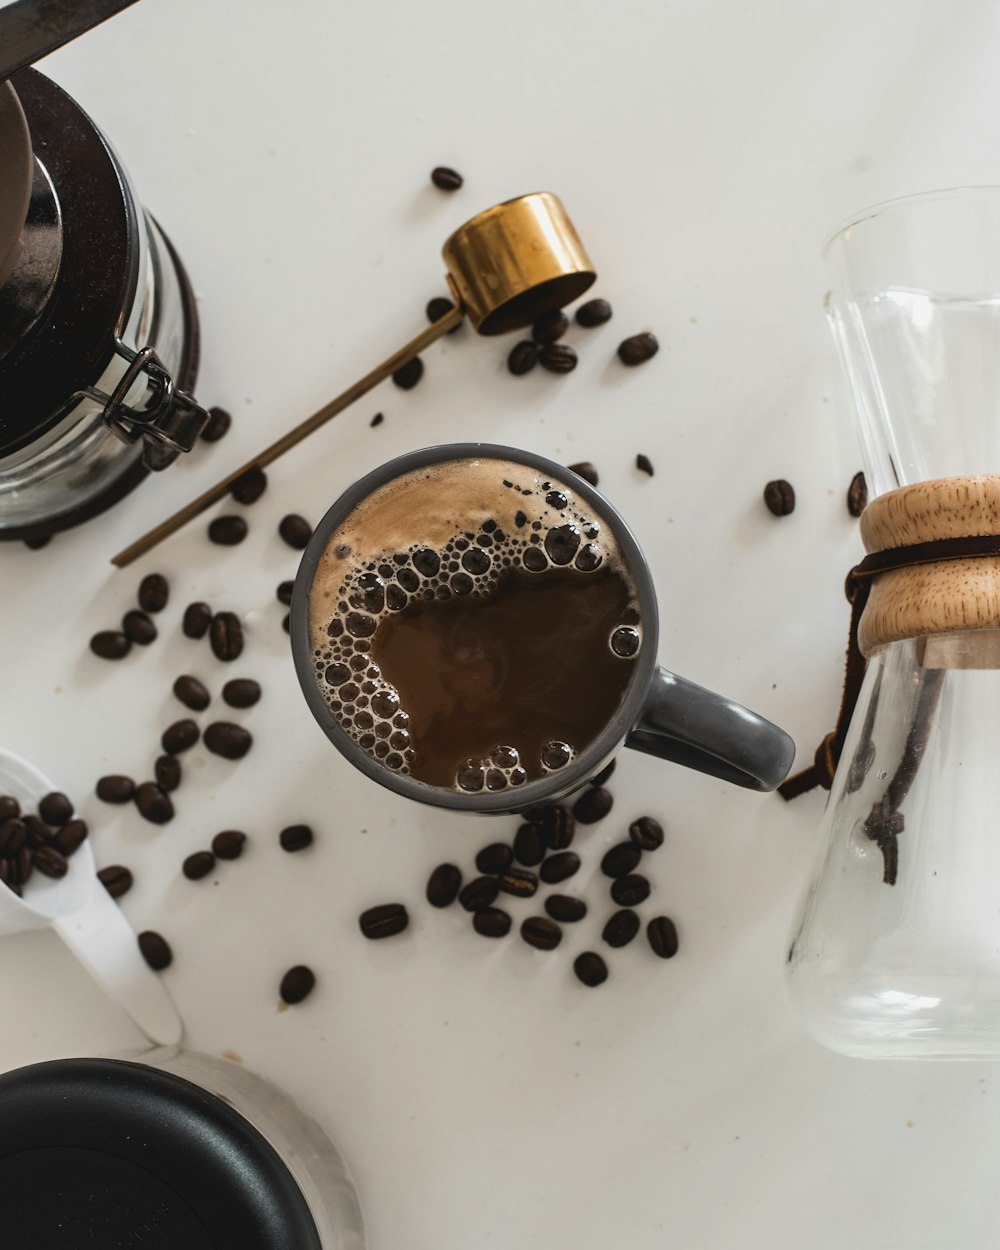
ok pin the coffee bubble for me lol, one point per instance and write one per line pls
(625, 641)
(556, 755)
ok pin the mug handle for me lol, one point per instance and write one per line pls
(686, 723)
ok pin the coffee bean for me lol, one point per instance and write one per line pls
(443, 885)
(559, 826)
(593, 805)
(407, 376)
(38, 542)
(167, 771)
(55, 809)
(383, 921)
(38, 833)
(565, 908)
(779, 496)
(621, 928)
(497, 857)
(154, 591)
(116, 879)
(585, 470)
(630, 890)
(217, 425)
(379, 417)
(541, 933)
(519, 882)
(227, 531)
(550, 326)
(297, 983)
(446, 179)
(49, 861)
(491, 922)
(604, 774)
(438, 308)
(620, 859)
(154, 805)
(70, 837)
(249, 486)
(644, 464)
(110, 644)
(13, 835)
(241, 692)
(857, 495)
(115, 788)
(479, 893)
(138, 627)
(22, 866)
(284, 592)
(557, 358)
(662, 935)
(590, 968)
(522, 358)
(295, 838)
(192, 693)
(295, 530)
(559, 867)
(180, 736)
(197, 618)
(228, 844)
(637, 349)
(230, 741)
(9, 807)
(155, 949)
(286, 622)
(529, 845)
(226, 636)
(198, 865)
(595, 312)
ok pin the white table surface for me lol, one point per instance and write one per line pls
(481, 1096)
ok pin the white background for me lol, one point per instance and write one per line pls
(482, 1096)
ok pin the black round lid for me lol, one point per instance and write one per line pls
(102, 1153)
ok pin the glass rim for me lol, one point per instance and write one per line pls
(969, 191)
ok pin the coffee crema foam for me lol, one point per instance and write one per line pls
(451, 531)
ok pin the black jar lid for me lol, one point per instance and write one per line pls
(100, 1152)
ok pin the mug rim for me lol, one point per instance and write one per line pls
(591, 758)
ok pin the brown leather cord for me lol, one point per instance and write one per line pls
(857, 586)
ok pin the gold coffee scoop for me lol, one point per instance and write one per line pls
(505, 267)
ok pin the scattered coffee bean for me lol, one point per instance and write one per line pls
(284, 592)
(644, 464)
(446, 179)
(230, 741)
(595, 312)
(565, 908)
(585, 470)
(543, 934)
(620, 859)
(662, 935)
(192, 693)
(198, 865)
(23, 865)
(9, 807)
(497, 857)
(13, 835)
(517, 881)
(558, 358)
(153, 803)
(491, 922)
(550, 326)
(779, 496)
(249, 486)
(116, 879)
(379, 417)
(226, 636)
(479, 893)
(295, 530)
(37, 543)
(590, 968)
(217, 425)
(115, 789)
(522, 358)
(646, 833)
(227, 531)
(857, 495)
(297, 983)
(286, 622)
(559, 867)
(443, 885)
(241, 692)
(167, 771)
(383, 921)
(621, 928)
(49, 861)
(38, 833)
(154, 591)
(637, 349)
(295, 838)
(70, 837)
(228, 844)
(630, 890)
(138, 627)
(197, 618)
(557, 823)
(529, 845)
(110, 644)
(438, 308)
(155, 949)
(604, 774)
(55, 809)
(593, 805)
(407, 376)
(180, 736)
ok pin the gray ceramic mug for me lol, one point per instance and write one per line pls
(660, 713)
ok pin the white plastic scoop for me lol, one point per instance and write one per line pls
(87, 919)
